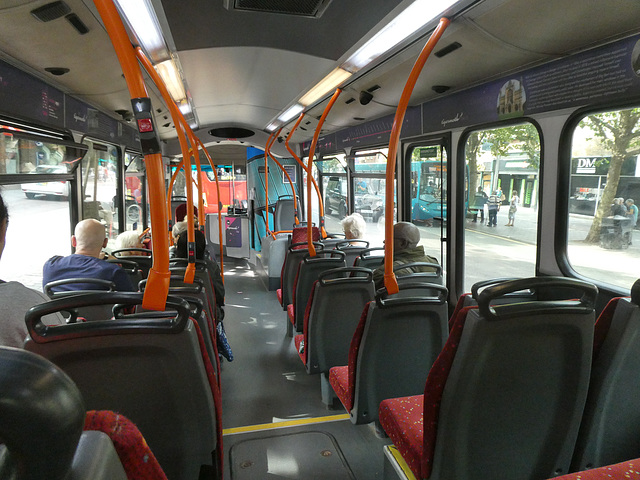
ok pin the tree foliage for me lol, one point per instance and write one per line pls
(619, 133)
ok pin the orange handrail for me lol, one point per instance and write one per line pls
(312, 151)
(215, 175)
(181, 128)
(266, 178)
(323, 232)
(390, 281)
(155, 295)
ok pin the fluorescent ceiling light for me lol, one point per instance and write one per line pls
(272, 126)
(414, 17)
(328, 83)
(143, 21)
(185, 107)
(291, 112)
(171, 77)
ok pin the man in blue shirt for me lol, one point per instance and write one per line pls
(89, 239)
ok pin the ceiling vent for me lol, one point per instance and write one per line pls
(304, 8)
(51, 11)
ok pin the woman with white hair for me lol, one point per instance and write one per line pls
(354, 226)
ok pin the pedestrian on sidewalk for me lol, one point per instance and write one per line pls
(513, 208)
(493, 206)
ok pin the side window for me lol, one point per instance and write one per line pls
(99, 167)
(502, 166)
(604, 191)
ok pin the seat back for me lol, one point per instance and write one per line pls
(41, 417)
(152, 370)
(299, 236)
(352, 249)
(505, 397)
(370, 258)
(400, 338)
(328, 332)
(90, 312)
(131, 268)
(610, 429)
(144, 261)
(283, 217)
(308, 272)
(295, 254)
(425, 272)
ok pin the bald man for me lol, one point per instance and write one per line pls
(89, 239)
(405, 250)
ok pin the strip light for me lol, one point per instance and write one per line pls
(171, 78)
(142, 20)
(328, 83)
(412, 19)
(291, 112)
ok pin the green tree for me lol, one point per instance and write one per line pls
(619, 133)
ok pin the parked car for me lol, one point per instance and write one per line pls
(56, 189)
(370, 205)
(335, 197)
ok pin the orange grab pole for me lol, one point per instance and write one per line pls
(176, 115)
(390, 281)
(215, 175)
(293, 190)
(312, 152)
(198, 183)
(169, 194)
(266, 179)
(155, 295)
(304, 169)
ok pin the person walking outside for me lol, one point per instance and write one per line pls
(513, 208)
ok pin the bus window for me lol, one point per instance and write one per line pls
(332, 177)
(604, 191)
(428, 194)
(502, 165)
(134, 195)
(99, 167)
(39, 212)
(369, 179)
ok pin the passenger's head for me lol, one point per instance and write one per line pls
(181, 212)
(479, 189)
(405, 235)
(4, 221)
(354, 226)
(89, 238)
(200, 241)
(129, 240)
(177, 230)
(629, 202)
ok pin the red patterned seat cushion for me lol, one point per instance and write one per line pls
(401, 418)
(298, 340)
(459, 306)
(279, 294)
(305, 325)
(347, 384)
(291, 313)
(339, 380)
(629, 470)
(299, 235)
(132, 449)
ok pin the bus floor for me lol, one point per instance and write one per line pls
(275, 424)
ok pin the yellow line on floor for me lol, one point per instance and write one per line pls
(286, 423)
(489, 234)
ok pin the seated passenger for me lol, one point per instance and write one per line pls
(129, 239)
(214, 268)
(16, 299)
(89, 239)
(406, 250)
(181, 213)
(354, 226)
(177, 230)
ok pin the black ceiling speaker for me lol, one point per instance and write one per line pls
(365, 97)
(51, 11)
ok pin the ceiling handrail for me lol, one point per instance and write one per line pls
(155, 296)
(323, 232)
(312, 151)
(390, 281)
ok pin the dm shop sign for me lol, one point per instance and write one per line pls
(600, 166)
